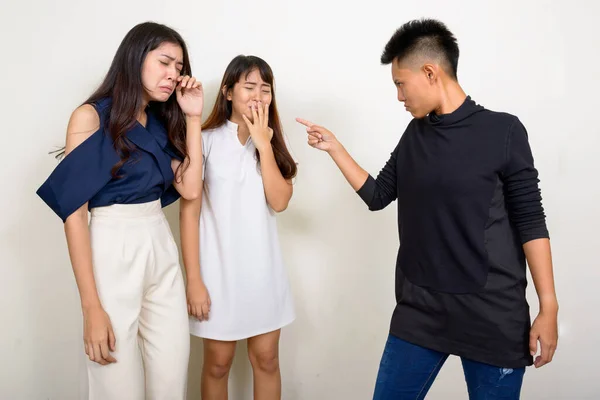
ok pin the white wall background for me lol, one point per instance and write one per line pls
(537, 60)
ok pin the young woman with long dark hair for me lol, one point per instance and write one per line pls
(131, 149)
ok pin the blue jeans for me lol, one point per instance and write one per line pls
(407, 372)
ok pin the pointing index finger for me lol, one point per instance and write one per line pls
(304, 122)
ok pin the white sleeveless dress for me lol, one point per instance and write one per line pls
(240, 256)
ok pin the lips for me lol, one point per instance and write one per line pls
(166, 89)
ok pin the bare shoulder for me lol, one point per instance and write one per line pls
(83, 123)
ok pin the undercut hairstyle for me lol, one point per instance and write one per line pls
(423, 39)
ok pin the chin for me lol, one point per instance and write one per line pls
(160, 97)
(417, 115)
(163, 97)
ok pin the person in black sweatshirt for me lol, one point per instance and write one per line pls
(469, 219)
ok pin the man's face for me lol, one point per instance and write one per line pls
(415, 89)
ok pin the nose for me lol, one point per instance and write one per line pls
(172, 73)
(401, 97)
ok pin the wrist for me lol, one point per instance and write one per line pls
(194, 279)
(264, 149)
(195, 119)
(549, 305)
(336, 149)
(90, 305)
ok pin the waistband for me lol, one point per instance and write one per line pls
(149, 209)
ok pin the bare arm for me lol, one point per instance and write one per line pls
(80, 252)
(188, 182)
(198, 299)
(322, 139)
(189, 219)
(354, 174)
(278, 190)
(98, 333)
(544, 328)
(539, 258)
(188, 179)
(376, 193)
(83, 123)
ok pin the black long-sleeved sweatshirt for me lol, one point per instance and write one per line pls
(468, 199)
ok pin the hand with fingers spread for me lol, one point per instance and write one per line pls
(98, 336)
(319, 137)
(190, 96)
(260, 132)
(545, 331)
(198, 300)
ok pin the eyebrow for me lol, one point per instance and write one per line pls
(254, 83)
(172, 59)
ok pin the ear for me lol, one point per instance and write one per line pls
(226, 92)
(431, 72)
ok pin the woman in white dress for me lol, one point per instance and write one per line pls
(237, 286)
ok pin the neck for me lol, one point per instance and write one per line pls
(453, 96)
(243, 131)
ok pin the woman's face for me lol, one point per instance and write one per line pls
(249, 91)
(160, 71)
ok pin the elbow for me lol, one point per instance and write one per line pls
(279, 207)
(191, 194)
(373, 200)
(78, 216)
(530, 226)
(527, 237)
(374, 207)
(191, 189)
(279, 202)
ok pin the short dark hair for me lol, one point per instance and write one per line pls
(423, 37)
